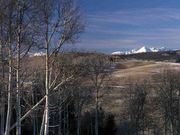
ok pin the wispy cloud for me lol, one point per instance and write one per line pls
(106, 43)
(132, 28)
(136, 16)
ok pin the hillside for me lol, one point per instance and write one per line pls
(171, 56)
(131, 71)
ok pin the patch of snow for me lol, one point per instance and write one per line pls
(36, 54)
(39, 54)
(118, 53)
(154, 49)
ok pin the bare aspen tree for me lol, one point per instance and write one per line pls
(23, 20)
(18, 46)
(98, 71)
(21, 7)
(61, 23)
(2, 74)
(136, 107)
(9, 27)
(46, 10)
(168, 98)
(82, 96)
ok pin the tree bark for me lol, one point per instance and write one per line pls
(96, 121)
(9, 107)
(29, 112)
(18, 100)
(42, 124)
(97, 107)
(60, 120)
(2, 90)
(46, 127)
(78, 120)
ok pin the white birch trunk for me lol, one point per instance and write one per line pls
(2, 109)
(18, 100)
(9, 107)
(60, 121)
(29, 112)
(42, 124)
(46, 126)
(97, 108)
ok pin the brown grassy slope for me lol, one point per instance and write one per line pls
(135, 71)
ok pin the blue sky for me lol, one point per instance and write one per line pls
(113, 25)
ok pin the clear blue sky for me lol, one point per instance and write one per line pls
(113, 25)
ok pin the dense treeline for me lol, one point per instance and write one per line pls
(171, 56)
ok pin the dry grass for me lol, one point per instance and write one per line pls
(135, 71)
(140, 70)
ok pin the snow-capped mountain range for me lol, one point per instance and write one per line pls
(143, 49)
(30, 54)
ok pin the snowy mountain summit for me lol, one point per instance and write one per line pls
(143, 49)
(34, 54)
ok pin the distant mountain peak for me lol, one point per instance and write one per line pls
(34, 54)
(143, 49)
